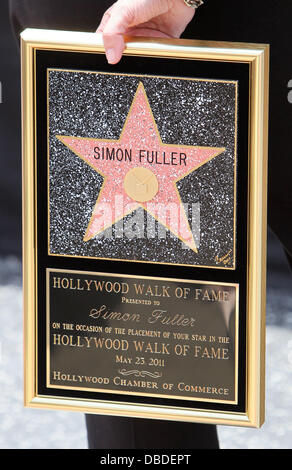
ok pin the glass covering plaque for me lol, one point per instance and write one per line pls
(144, 227)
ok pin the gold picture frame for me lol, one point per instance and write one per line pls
(256, 59)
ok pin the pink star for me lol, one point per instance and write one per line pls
(140, 146)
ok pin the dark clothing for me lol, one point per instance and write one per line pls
(249, 21)
(106, 432)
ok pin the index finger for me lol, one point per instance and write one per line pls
(115, 27)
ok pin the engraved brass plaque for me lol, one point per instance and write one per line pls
(143, 336)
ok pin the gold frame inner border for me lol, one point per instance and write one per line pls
(224, 267)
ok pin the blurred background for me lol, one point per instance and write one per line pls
(22, 428)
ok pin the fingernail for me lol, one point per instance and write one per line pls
(110, 55)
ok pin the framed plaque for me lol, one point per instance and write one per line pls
(144, 226)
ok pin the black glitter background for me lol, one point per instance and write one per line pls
(187, 112)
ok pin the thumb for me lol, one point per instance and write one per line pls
(120, 19)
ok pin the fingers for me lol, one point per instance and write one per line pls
(103, 22)
(105, 19)
(115, 24)
(124, 15)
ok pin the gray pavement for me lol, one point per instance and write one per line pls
(23, 428)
